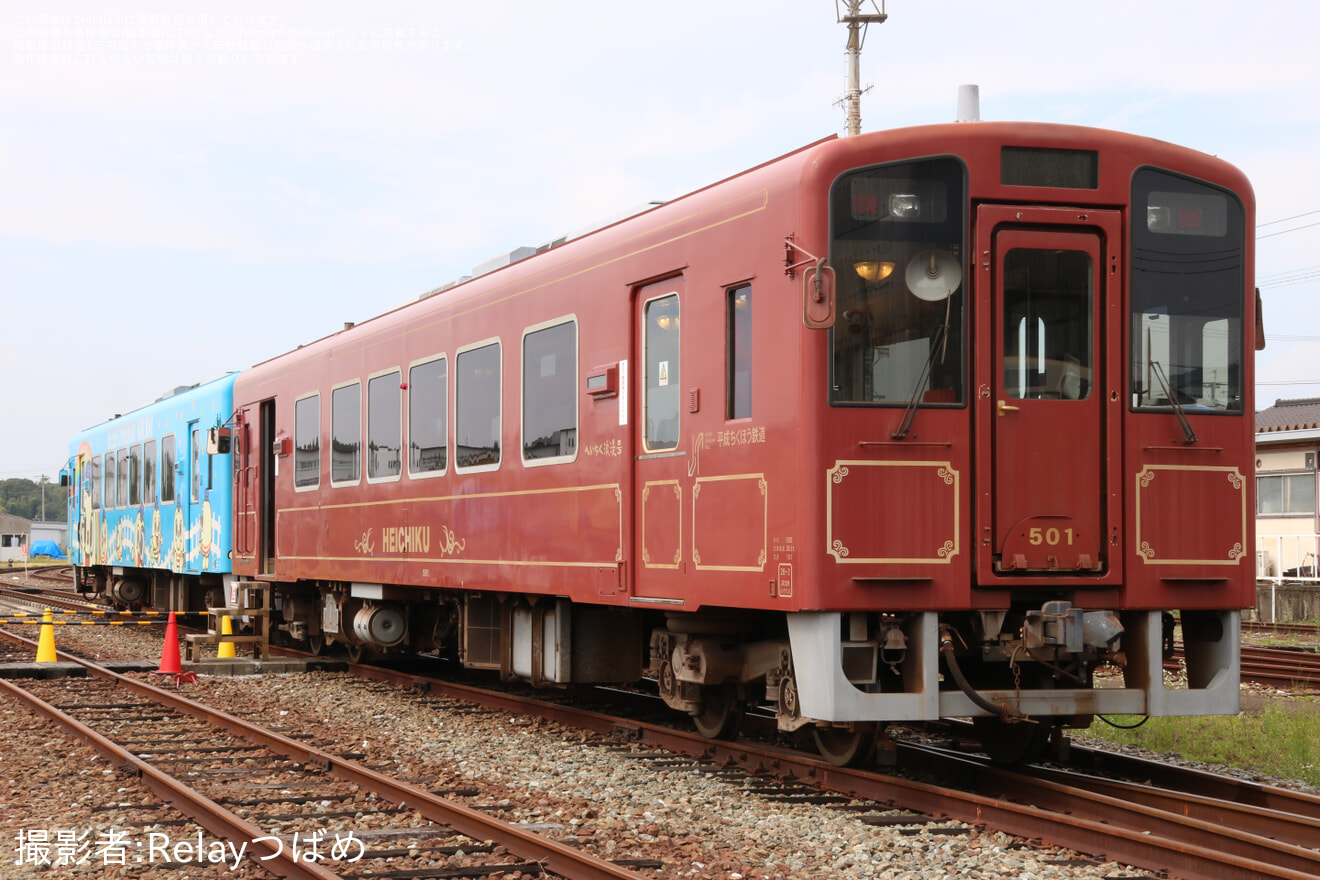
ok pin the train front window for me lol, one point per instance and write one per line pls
(1188, 260)
(897, 250)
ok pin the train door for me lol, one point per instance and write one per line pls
(245, 489)
(79, 516)
(1048, 400)
(188, 492)
(660, 470)
(268, 464)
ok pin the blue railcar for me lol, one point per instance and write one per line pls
(150, 508)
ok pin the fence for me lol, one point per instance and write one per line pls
(1287, 577)
(1291, 558)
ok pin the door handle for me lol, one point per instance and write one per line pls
(1002, 408)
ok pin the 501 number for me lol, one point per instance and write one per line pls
(1051, 537)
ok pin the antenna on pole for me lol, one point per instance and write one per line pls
(857, 22)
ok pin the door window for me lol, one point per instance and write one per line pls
(661, 382)
(1048, 352)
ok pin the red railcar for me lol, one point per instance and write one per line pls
(920, 423)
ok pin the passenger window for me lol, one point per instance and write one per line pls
(196, 464)
(149, 471)
(661, 382)
(477, 408)
(121, 499)
(167, 469)
(307, 442)
(109, 476)
(135, 475)
(384, 427)
(346, 434)
(549, 431)
(428, 409)
(738, 393)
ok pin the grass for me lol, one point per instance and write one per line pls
(34, 563)
(1283, 739)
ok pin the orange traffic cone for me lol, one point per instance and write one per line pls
(170, 663)
(225, 650)
(46, 641)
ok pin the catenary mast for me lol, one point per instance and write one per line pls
(857, 22)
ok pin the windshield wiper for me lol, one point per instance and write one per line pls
(937, 348)
(1173, 401)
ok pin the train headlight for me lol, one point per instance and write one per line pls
(904, 206)
(1183, 213)
(1158, 218)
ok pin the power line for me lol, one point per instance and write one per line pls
(1284, 275)
(1286, 219)
(1283, 231)
(1296, 278)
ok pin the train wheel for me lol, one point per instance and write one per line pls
(316, 644)
(358, 653)
(721, 712)
(846, 746)
(1008, 743)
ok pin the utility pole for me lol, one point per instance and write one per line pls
(857, 22)
(43, 497)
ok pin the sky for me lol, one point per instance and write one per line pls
(191, 187)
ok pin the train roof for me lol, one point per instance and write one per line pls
(937, 139)
(219, 385)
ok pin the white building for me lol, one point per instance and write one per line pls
(15, 536)
(1287, 528)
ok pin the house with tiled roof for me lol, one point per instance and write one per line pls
(1287, 449)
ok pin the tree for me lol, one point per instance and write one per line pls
(19, 497)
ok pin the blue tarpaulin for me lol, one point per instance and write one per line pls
(46, 548)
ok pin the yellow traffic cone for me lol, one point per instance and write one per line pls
(46, 642)
(225, 649)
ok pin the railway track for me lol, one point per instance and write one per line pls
(210, 765)
(1276, 667)
(1113, 823)
(1302, 630)
(1069, 814)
